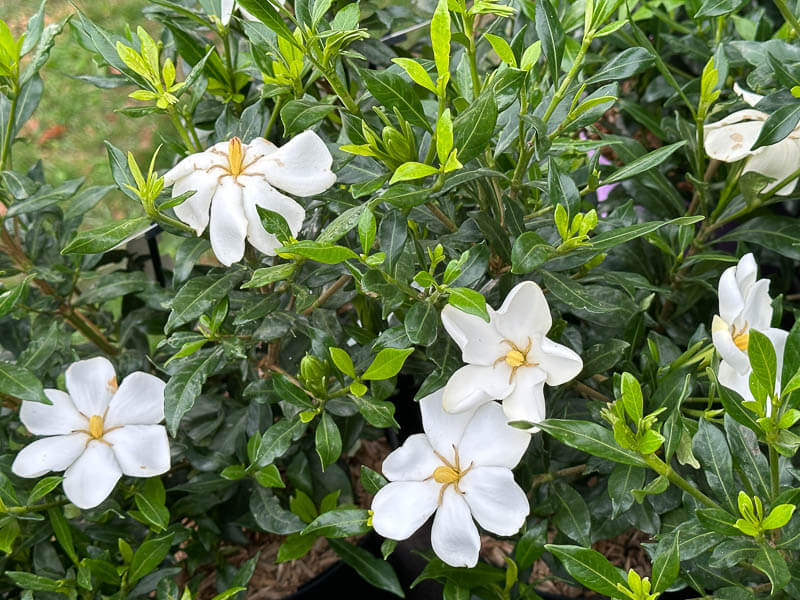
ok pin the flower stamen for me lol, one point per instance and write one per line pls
(516, 357)
(448, 474)
(235, 157)
(96, 427)
(741, 337)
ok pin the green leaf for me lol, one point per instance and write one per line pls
(773, 565)
(711, 449)
(474, 127)
(777, 233)
(417, 73)
(529, 252)
(732, 403)
(469, 301)
(343, 361)
(778, 126)
(62, 531)
(405, 196)
(502, 48)
(374, 570)
(392, 91)
(339, 523)
(377, 413)
(627, 63)
(440, 39)
(572, 517)
(299, 115)
(412, 170)
(269, 476)
(289, 392)
(270, 515)
(100, 239)
(444, 136)
(387, 363)
(38, 583)
(572, 294)
(275, 223)
(763, 361)
(778, 516)
(329, 254)
(267, 275)
(277, 439)
(19, 382)
(717, 8)
(294, 546)
(747, 454)
(666, 566)
(199, 295)
(185, 385)
(43, 487)
(328, 440)
(148, 556)
(269, 16)
(150, 503)
(589, 567)
(9, 298)
(591, 438)
(616, 237)
(372, 481)
(643, 163)
(551, 33)
(422, 323)
(367, 228)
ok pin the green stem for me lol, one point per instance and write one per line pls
(780, 185)
(473, 64)
(787, 15)
(274, 116)
(226, 38)
(176, 121)
(437, 212)
(341, 91)
(573, 72)
(5, 155)
(195, 137)
(662, 468)
(34, 507)
(774, 475)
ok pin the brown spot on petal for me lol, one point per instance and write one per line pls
(737, 137)
(111, 384)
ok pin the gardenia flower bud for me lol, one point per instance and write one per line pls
(510, 359)
(460, 469)
(232, 179)
(731, 138)
(97, 432)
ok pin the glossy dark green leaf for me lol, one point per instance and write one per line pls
(588, 567)
(374, 570)
(299, 115)
(780, 234)
(626, 64)
(551, 33)
(269, 16)
(773, 565)
(340, 523)
(474, 127)
(572, 517)
(277, 439)
(574, 295)
(529, 252)
(778, 126)
(270, 515)
(643, 163)
(591, 438)
(328, 440)
(711, 449)
(100, 239)
(148, 556)
(18, 382)
(392, 91)
(422, 323)
(666, 566)
(185, 385)
(199, 295)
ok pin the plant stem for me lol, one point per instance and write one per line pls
(176, 121)
(774, 475)
(437, 212)
(787, 15)
(5, 154)
(473, 65)
(341, 91)
(35, 507)
(325, 296)
(780, 185)
(573, 72)
(276, 109)
(662, 468)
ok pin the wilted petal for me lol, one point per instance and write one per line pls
(731, 300)
(257, 192)
(749, 97)
(194, 210)
(54, 453)
(138, 401)
(58, 418)
(228, 223)
(140, 450)
(454, 536)
(489, 441)
(201, 161)
(524, 316)
(732, 142)
(93, 476)
(497, 503)
(480, 342)
(777, 161)
(444, 429)
(472, 385)
(301, 167)
(727, 349)
(413, 461)
(401, 507)
(526, 402)
(558, 362)
(91, 383)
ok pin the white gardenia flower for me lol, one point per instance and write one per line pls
(509, 358)
(460, 468)
(731, 138)
(231, 178)
(744, 304)
(97, 432)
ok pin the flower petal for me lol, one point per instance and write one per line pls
(728, 351)
(777, 161)
(226, 9)
(402, 507)
(257, 148)
(559, 362)
(730, 143)
(524, 316)
(739, 383)
(497, 503)
(302, 166)
(228, 223)
(489, 441)
(480, 342)
(194, 210)
(138, 401)
(472, 385)
(454, 536)
(757, 311)
(731, 299)
(201, 161)
(54, 453)
(749, 97)
(257, 192)
(91, 383)
(140, 450)
(93, 476)
(58, 418)
(413, 461)
(526, 402)
(746, 272)
(443, 429)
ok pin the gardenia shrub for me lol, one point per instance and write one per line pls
(564, 233)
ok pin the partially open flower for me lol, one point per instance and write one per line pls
(510, 359)
(459, 468)
(97, 432)
(231, 179)
(731, 138)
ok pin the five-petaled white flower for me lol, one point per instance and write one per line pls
(232, 179)
(744, 304)
(459, 468)
(731, 138)
(97, 432)
(509, 357)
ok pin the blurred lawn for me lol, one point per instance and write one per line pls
(74, 117)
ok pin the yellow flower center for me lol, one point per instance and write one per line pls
(741, 337)
(448, 474)
(96, 427)
(235, 157)
(515, 358)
